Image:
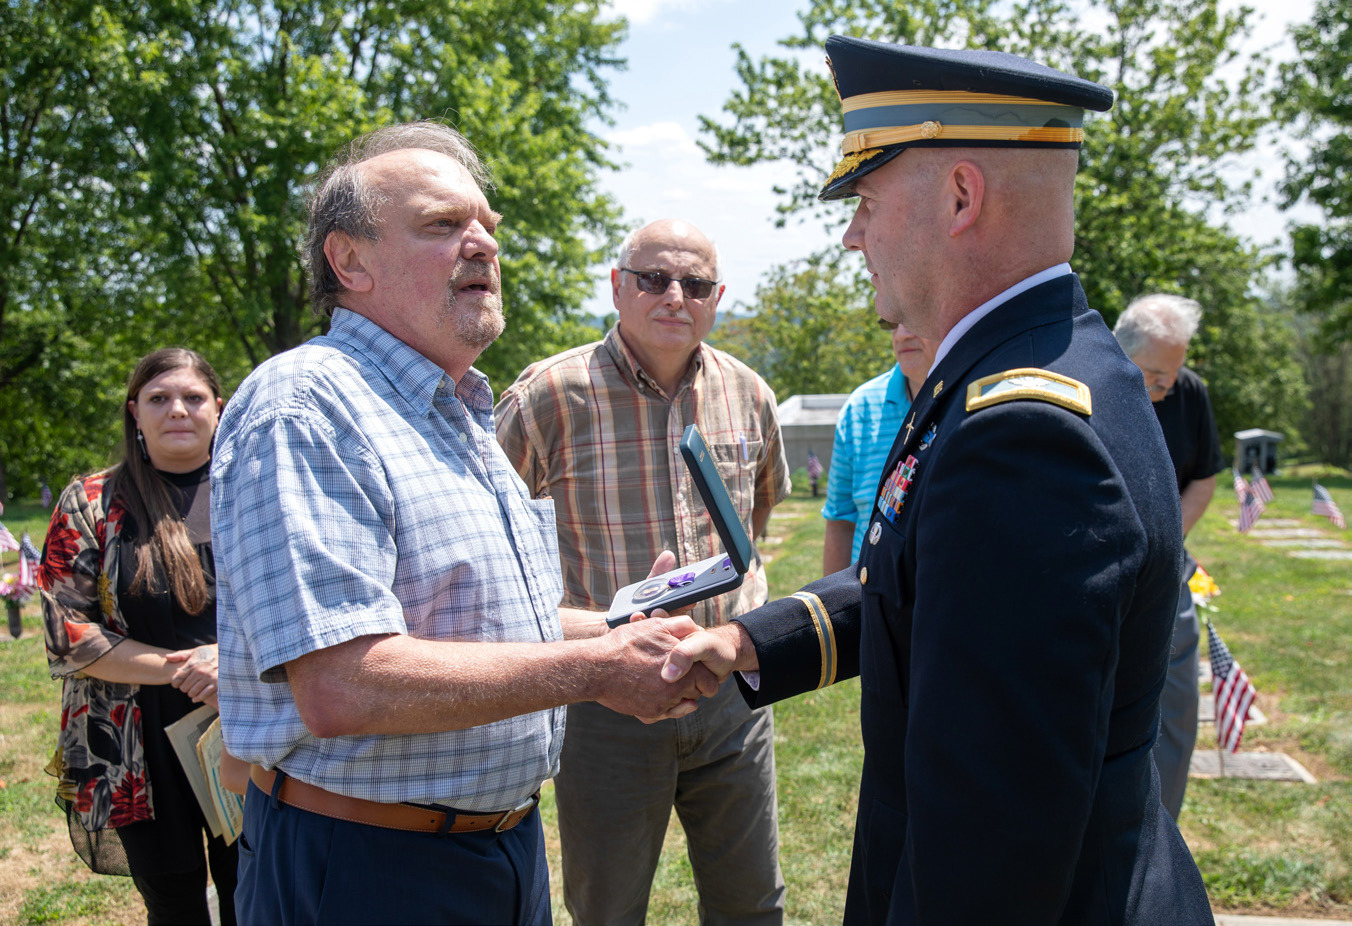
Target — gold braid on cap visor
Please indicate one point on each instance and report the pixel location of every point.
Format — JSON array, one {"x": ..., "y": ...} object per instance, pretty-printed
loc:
[{"x": 875, "y": 120}]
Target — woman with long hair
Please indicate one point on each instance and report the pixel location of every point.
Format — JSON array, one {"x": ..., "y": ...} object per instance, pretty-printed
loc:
[{"x": 129, "y": 612}]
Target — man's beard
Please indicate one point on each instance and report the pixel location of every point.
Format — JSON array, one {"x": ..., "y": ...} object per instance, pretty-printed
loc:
[{"x": 480, "y": 326}]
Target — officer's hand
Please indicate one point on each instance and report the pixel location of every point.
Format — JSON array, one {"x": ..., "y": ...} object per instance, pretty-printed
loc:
[{"x": 721, "y": 651}]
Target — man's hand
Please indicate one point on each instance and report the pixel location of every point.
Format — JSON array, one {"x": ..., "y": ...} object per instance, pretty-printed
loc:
[
  {"x": 634, "y": 657},
  {"x": 196, "y": 674},
  {"x": 720, "y": 651}
]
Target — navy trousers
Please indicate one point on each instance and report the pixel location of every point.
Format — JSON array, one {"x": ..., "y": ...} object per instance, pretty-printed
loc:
[{"x": 296, "y": 867}]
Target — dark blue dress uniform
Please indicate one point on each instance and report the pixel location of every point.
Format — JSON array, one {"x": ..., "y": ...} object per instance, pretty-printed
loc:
[
  {"x": 1010, "y": 624},
  {"x": 1011, "y": 611}
]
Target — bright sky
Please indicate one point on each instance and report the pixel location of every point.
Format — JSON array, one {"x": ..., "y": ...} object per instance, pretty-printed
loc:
[{"x": 681, "y": 66}]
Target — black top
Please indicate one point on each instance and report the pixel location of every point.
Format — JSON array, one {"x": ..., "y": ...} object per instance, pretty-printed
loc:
[
  {"x": 1190, "y": 429},
  {"x": 172, "y": 842}
]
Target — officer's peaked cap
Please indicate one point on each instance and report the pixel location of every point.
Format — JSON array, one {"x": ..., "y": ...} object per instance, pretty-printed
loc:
[{"x": 896, "y": 97}]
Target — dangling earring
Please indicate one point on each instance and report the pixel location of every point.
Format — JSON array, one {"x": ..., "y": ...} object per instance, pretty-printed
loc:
[{"x": 141, "y": 440}]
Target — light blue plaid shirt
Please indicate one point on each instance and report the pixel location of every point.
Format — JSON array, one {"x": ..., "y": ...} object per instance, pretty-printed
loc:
[
  {"x": 868, "y": 424},
  {"x": 357, "y": 490}
]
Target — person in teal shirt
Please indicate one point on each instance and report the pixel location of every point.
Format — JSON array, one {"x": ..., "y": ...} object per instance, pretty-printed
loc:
[{"x": 868, "y": 423}]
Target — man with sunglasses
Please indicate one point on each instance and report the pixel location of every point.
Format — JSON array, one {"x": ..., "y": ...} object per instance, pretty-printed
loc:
[{"x": 596, "y": 428}]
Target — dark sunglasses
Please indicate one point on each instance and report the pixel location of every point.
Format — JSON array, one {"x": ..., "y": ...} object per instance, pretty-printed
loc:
[{"x": 655, "y": 284}]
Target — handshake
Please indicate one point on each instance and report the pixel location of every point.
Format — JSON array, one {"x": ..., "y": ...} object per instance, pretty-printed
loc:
[{"x": 658, "y": 668}]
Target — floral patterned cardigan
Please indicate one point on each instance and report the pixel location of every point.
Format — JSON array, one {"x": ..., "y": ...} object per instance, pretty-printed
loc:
[{"x": 99, "y": 758}]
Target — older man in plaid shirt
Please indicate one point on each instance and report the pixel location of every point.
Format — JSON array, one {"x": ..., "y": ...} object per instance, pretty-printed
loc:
[{"x": 597, "y": 429}]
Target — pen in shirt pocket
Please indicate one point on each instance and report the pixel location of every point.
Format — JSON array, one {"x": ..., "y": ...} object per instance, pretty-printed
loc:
[{"x": 741, "y": 436}]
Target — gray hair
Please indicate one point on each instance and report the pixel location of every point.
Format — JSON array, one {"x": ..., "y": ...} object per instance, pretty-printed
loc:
[
  {"x": 1157, "y": 317},
  {"x": 629, "y": 245},
  {"x": 346, "y": 201}
]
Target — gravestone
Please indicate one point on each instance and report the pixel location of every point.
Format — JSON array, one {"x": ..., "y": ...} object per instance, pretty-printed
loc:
[
  {"x": 1257, "y": 447},
  {"x": 1267, "y": 766}
]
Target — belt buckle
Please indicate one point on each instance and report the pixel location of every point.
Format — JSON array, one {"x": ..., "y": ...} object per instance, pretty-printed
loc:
[{"x": 527, "y": 805}]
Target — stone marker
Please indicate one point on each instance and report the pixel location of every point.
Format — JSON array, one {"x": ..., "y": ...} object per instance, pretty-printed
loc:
[
  {"x": 1305, "y": 544},
  {"x": 1286, "y": 533},
  {"x": 1206, "y": 712},
  {"x": 1266, "y": 766}
]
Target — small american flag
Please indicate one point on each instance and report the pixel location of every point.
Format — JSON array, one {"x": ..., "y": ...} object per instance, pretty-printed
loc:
[
  {"x": 1232, "y": 691},
  {"x": 46, "y": 495},
  {"x": 1250, "y": 505},
  {"x": 7, "y": 541},
  {"x": 28, "y": 570},
  {"x": 28, "y": 549},
  {"x": 814, "y": 466},
  {"x": 1260, "y": 485},
  {"x": 1324, "y": 504}
]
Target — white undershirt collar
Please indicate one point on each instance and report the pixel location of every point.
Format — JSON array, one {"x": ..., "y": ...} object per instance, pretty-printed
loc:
[{"x": 971, "y": 318}]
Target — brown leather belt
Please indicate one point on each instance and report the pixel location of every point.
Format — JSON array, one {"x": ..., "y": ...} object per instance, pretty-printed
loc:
[{"x": 408, "y": 817}]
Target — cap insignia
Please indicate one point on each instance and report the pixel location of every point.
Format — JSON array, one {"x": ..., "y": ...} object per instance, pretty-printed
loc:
[{"x": 850, "y": 161}]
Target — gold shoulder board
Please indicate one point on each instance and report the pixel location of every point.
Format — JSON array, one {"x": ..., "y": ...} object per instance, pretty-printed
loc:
[{"x": 1029, "y": 383}]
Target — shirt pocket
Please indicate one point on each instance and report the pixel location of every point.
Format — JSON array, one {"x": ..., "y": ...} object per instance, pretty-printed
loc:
[
  {"x": 888, "y": 603},
  {"x": 737, "y": 468},
  {"x": 546, "y": 572},
  {"x": 537, "y": 542},
  {"x": 885, "y": 561}
]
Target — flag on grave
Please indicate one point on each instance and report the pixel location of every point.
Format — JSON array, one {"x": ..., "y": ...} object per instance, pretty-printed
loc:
[
  {"x": 1324, "y": 504},
  {"x": 1258, "y": 482},
  {"x": 1232, "y": 691},
  {"x": 1250, "y": 505}
]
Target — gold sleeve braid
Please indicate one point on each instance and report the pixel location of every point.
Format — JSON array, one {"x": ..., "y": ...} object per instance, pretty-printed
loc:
[{"x": 826, "y": 636}]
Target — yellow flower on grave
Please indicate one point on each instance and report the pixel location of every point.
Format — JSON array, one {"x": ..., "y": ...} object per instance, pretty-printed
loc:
[{"x": 1202, "y": 584}]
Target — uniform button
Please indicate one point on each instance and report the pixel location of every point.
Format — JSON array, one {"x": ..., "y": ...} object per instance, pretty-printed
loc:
[
  {"x": 863, "y": 575},
  {"x": 462, "y": 436}
]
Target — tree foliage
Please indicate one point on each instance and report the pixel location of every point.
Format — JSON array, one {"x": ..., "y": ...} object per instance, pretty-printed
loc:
[
  {"x": 230, "y": 107},
  {"x": 1152, "y": 169},
  {"x": 813, "y": 330},
  {"x": 67, "y": 276},
  {"x": 158, "y": 155},
  {"x": 1317, "y": 99}
]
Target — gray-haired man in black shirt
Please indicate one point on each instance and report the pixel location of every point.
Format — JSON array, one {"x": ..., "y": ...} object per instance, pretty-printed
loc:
[{"x": 1154, "y": 331}]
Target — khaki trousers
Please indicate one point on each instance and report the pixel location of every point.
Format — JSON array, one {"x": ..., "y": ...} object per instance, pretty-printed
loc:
[{"x": 620, "y": 780}]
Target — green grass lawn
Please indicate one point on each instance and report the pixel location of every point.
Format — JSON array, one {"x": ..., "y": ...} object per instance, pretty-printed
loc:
[
  {"x": 1263, "y": 847},
  {"x": 1277, "y": 845}
]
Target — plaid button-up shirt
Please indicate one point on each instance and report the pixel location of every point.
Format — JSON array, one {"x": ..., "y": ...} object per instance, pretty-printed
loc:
[
  {"x": 590, "y": 429},
  {"x": 356, "y": 490}
]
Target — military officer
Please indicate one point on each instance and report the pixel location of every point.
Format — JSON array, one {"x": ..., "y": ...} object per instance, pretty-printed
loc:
[{"x": 1011, "y": 609}]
